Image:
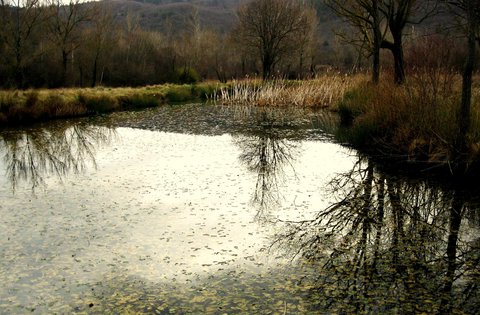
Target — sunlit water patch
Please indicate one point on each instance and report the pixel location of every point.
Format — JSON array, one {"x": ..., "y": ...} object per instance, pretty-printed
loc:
[
  {"x": 206, "y": 209},
  {"x": 157, "y": 212}
]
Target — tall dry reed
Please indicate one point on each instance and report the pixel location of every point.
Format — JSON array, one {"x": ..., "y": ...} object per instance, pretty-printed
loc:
[{"x": 323, "y": 91}]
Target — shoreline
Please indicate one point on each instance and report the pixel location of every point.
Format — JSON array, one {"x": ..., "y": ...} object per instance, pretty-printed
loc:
[
  {"x": 395, "y": 124},
  {"x": 26, "y": 107}
]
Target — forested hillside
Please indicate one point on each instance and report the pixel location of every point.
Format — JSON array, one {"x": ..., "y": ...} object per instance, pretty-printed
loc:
[
  {"x": 131, "y": 42},
  {"x": 157, "y": 15}
]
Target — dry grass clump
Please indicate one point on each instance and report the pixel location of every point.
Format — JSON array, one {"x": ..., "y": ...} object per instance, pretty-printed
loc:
[
  {"x": 30, "y": 106},
  {"x": 323, "y": 91}
]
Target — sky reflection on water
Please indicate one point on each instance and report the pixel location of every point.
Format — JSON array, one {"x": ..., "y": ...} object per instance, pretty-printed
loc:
[
  {"x": 266, "y": 218},
  {"x": 162, "y": 207}
]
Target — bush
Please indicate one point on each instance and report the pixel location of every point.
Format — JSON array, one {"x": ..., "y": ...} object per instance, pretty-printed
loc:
[
  {"x": 180, "y": 93},
  {"x": 355, "y": 103},
  {"x": 98, "y": 103},
  {"x": 139, "y": 101},
  {"x": 187, "y": 75}
]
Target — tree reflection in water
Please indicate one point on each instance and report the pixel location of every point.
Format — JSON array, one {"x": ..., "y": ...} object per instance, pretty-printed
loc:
[
  {"x": 390, "y": 245},
  {"x": 266, "y": 152},
  {"x": 31, "y": 154}
]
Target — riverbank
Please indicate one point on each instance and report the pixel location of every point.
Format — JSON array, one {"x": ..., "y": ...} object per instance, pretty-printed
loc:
[
  {"x": 415, "y": 123},
  {"x": 29, "y": 106}
]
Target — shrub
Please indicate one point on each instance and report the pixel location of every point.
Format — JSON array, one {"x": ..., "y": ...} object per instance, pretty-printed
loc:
[
  {"x": 187, "y": 75},
  {"x": 180, "y": 93},
  {"x": 139, "y": 101},
  {"x": 31, "y": 99},
  {"x": 98, "y": 103}
]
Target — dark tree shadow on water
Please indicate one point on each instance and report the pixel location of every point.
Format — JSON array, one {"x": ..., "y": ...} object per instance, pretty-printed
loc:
[
  {"x": 390, "y": 245},
  {"x": 32, "y": 154},
  {"x": 268, "y": 152}
]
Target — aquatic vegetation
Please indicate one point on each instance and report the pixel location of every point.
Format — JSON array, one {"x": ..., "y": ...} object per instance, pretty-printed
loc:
[{"x": 320, "y": 92}]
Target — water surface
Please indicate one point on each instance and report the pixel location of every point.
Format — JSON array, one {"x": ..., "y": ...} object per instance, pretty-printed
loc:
[{"x": 204, "y": 209}]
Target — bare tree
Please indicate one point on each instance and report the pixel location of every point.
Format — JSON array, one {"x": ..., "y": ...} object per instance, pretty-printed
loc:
[
  {"x": 367, "y": 17},
  {"x": 468, "y": 12},
  {"x": 271, "y": 29},
  {"x": 364, "y": 17},
  {"x": 398, "y": 14},
  {"x": 64, "y": 26},
  {"x": 19, "y": 20},
  {"x": 103, "y": 22}
]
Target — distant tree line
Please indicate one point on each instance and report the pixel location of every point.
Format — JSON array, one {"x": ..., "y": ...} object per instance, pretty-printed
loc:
[{"x": 57, "y": 43}]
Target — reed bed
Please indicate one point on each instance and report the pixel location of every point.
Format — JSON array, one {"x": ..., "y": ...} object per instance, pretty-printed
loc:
[{"x": 324, "y": 91}]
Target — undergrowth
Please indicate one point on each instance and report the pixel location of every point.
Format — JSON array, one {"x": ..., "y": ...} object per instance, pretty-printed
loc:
[{"x": 416, "y": 121}]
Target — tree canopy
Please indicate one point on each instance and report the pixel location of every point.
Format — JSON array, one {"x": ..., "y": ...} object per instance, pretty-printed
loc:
[{"x": 273, "y": 29}]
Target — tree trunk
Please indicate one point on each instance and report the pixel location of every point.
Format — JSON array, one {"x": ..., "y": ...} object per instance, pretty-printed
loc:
[
  {"x": 102, "y": 75},
  {"x": 19, "y": 72},
  {"x": 80, "y": 72},
  {"x": 267, "y": 67},
  {"x": 376, "y": 44},
  {"x": 398, "y": 59},
  {"x": 64, "y": 67},
  {"x": 455, "y": 221},
  {"x": 464, "y": 113},
  {"x": 94, "y": 71}
]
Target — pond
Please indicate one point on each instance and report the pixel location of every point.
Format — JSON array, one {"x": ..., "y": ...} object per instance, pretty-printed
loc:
[{"x": 209, "y": 209}]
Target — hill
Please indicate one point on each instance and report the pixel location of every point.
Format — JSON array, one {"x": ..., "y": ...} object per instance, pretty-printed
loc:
[
  {"x": 217, "y": 15},
  {"x": 161, "y": 15}
]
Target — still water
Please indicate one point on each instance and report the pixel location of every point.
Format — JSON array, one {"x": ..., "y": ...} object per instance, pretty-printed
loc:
[{"x": 205, "y": 209}]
